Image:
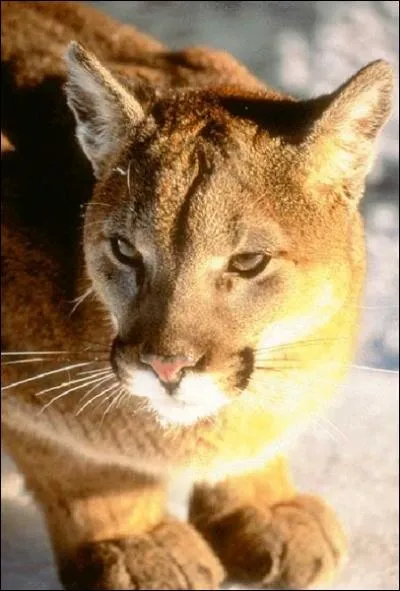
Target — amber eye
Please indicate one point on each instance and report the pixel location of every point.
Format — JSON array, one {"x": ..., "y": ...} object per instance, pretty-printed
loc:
[
  {"x": 249, "y": 264},
  {"x": 124, "y": 252}
]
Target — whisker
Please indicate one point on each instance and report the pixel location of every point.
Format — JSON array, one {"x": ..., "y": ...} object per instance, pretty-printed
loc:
[
  {"x": 77, "y": 356},
  {"x": 282, "y": 367},
  {"x": 378, "y": 307},
  {"x": 4, "y": 353},
  {"x": 377, "y": 369},
  {"x": 78, "y": 301},
  {"x": 304, "y": 343},
  {"x": 106, "y": 398},
  {"x": 273, "y": 369},
  {"x": 324, "y": 429},
  {"x": 94, "y": 398},
  {"x": 80, "y": 380},
  {"x": 299, "y": 365},
  {"x": 335, "y": 427},
  {"x": 97, "y": 344},
  {"x": 99, "y": 203},
  {"x": 34, "y": 360},
  {"x": 93, "y": 388},
  {"x": 93, "y": 371},
  {"x": 63, "y": 394},
  {"x": 47, "y": 373},
  {"x": 114, "y": 396},
  {"x": 128, "y": 177},
  {"x": 282, "y": 359},
  {"x": 123, "y": 395}
]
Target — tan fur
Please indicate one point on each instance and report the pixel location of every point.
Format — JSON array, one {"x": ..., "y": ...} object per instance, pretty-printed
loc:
[{"x": 196, "y": 161}]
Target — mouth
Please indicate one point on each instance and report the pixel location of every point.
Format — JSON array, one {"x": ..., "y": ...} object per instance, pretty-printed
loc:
[{"x": 197, "y": 397}]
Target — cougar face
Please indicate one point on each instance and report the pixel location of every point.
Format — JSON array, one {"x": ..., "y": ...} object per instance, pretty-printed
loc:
[{"x": 218, "y": 233}]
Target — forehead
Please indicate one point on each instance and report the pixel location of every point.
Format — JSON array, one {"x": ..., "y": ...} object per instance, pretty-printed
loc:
[{"x": 204, "y": 182}]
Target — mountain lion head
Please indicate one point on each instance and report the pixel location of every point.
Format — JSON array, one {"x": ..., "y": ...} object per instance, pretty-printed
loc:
[{"x": 223, "y": 230}]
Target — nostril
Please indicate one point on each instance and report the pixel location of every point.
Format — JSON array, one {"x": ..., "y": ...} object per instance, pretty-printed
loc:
[{"x": 169, "y": 369}]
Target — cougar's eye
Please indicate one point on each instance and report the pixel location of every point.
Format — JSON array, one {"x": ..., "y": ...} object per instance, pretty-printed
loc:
[
  {"x": 249, "y": 264},
  {"x": 124, "y": 252}
]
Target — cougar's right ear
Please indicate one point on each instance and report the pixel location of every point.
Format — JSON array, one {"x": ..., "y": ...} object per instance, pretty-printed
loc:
[
  {"x": 342, "y": 142},
  {"x": 104, "y": 110}
]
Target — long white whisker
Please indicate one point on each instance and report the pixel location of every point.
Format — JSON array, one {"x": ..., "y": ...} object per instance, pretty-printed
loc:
[
  {"x": 93, "y": 371},
  {"x": 360, "y": 367},
  {"x": 35, "y": 359},
  {"x": 106, "y": 398},
  {"x": 119, "y": 396},
  {"x": 5, "y": 353},
  {"x": 53, "y": 400},
  {"x": 47, "y": 373},
  {"x": 379, "y": 307},
  {"x": 69, "y": 383},
  {"x": 78, "y": 301},
  {"x": 377, "y": 369},
  {"x": 324, "y": 428},
  {"x": 296, "y": 345},
  {"x": 334, "y": 427},
  {"x": 128, "y": 177},
  {"x": 122, "y": 395},
  {"x": 106, "y": 379},
  {"x": 93, "y": 399},
  {"x": 99, "y": 203},
  {"x": 114, "y": 396}
]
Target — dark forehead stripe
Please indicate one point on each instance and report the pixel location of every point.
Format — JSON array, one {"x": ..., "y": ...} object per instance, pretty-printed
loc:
[
  {"x": 181, "y": 160},
  {"x": 202, "y": 171},
  {"x": 193, "y": 140}
]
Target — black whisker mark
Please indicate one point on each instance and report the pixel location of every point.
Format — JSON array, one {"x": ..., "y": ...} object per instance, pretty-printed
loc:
[{"x": 246, "y": 357}]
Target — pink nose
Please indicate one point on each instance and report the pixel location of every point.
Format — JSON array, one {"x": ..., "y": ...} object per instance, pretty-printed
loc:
[{"x": 168, "y": 369}]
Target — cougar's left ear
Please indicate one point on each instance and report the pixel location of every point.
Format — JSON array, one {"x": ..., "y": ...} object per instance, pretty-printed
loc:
[
  {"x": 104, "y": 110},
  {"x": 341, "y": 142}
]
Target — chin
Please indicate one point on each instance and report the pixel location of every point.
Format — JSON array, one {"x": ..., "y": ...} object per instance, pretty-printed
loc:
[
  {"x": 172, "y": 413},
  {"x": 198, "y": 397}
]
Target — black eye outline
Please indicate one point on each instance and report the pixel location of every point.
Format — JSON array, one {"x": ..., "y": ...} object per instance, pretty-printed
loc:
[
  {"x": 133, "y": 259},
  {"x": 249, "y": 264}
]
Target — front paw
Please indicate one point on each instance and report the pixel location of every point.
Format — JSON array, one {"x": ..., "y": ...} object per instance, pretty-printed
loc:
[
  {"x": 292, "y": 545},
  {"x": 171, "y": 556}
]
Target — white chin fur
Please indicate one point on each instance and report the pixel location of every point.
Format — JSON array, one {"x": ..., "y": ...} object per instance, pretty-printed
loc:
[{"x": 197, "y": 397}]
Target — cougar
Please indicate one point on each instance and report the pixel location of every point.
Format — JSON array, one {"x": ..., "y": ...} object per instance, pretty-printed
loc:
[{"x": 183, "y": 261}]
